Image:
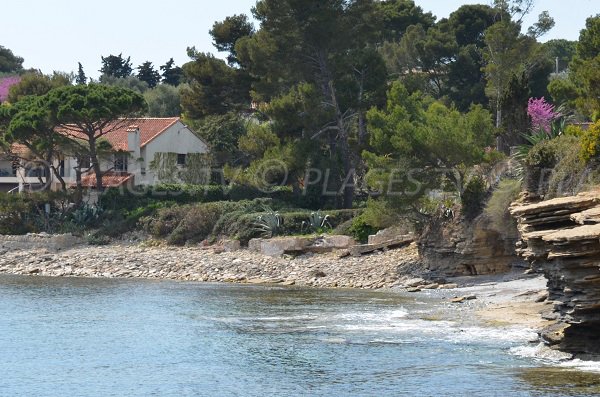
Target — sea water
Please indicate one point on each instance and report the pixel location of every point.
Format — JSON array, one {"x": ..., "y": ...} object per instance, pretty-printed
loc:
[{"x": 98, "y": 337}]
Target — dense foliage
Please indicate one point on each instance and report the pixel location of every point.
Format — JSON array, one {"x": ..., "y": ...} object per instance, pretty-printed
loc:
[{"x": 339, "y": 104}]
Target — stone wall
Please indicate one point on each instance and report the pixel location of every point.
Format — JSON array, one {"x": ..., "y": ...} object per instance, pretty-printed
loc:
[{"x": 51, "y": 242}]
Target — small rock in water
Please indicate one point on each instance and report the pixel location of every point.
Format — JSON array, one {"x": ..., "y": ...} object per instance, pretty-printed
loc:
[
  {"x": 463, "y": 298},
  {"x": 413, "y": 289}
]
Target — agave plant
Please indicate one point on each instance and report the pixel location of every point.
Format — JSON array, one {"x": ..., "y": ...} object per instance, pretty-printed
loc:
[
  {"x": 268, "y": 223},
  {"x": 317, "y": 222},
  {"x": 85, "y": 214},
  {"x": 557, "y": 128}
]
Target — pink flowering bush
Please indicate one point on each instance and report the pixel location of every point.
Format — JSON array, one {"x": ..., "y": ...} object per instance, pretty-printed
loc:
[
  {"x": 542, "y": 114},
  {"x": 5, "y": 84}
]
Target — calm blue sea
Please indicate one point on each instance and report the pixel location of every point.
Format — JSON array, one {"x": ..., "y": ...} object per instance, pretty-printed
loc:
[{"x": 81, "y": 337}]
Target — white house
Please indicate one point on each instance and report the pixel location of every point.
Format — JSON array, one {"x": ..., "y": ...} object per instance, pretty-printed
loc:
[{"x": 146, "y": 151}]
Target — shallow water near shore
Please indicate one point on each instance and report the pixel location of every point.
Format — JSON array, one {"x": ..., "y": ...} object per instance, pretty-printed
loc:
[{"x": 139, "y": 338}]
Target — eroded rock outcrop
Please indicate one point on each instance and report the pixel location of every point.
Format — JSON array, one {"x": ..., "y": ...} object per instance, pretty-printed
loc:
[
  {"x": 561, "y": 238},
  {"x": 456, "y": 247}
]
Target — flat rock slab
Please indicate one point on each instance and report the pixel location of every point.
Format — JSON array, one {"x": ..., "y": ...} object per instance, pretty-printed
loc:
[
  {"x": 588, "y": 232},
  {"x": 368, "y": 248},
  {"x": 584, "y": 200}
]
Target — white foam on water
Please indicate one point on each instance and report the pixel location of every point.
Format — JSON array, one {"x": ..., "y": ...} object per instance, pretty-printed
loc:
[
  {"x": 540, "y": 352},
  {"x": 581, "y": 365},
  {"x": 379, "y": 316},
  {"x": 475, "y": 334},
  {"x": 556, "y": 358},
  {"x": 280, "y": 318}
]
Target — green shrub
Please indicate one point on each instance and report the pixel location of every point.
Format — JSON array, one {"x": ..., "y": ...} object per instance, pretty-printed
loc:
[
  {"x": 473, "y": 197},
  {"x": 568, "y": 175},
  {"x": 26, "y": 212},
  {"x": 344, "y": 228},
  {"x": 361, "y": 229},
  {"x": 590, "y": 142},
  {"x": 555, "y": 168},
  {"x": 380, "y": 214},
  {"x": 497, "y": 207},
  {"x": 197, "y": 223},
  {"x": 119, "y": 198},
  {"x": 16, "y": 214},
  {"x": 295, "y": 222}
]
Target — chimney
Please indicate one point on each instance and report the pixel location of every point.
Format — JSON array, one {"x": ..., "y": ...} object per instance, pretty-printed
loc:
[{"x": 133, "y": 141}]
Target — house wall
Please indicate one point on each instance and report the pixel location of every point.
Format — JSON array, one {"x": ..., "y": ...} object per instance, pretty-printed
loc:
[
  {"x": 6, "y": 168},
  {"x": 177, "y": 139}
]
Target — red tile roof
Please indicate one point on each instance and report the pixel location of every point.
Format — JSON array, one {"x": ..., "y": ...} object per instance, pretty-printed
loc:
[
  {"x": 109, "y": 179},
  {"x": 20, "y": 150},
  {"x": 149, "y": 129}
]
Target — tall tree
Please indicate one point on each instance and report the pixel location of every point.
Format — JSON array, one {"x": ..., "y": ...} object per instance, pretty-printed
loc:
[
  {"x": 315, "y": 42},
  {"x": 214, "y": 87},
  {"x": 9, "y": 62},
  {"x": 37, "y": 83},
  {"x": 171, "y": 75},
  {"x": 130, "y": 82},
  {"x": 227, "y": 32},
  {"x": 445, "y": 59},
  {"x": 561, "y": 52},
  {"x": 28, "y": 123},
  {"x": 81, "y": 79},
  {"x": 417, "y": 143},
  {"x": 164, "y": 100},
  {"x": 116, "y": 66},
  {"x": 148, "y": 74},
  {"x": 87, "y": 113},
  {"x": 507, "y": 52},
  {"x": 398, "y": 15},
  {"x": 586, "y": 69}
]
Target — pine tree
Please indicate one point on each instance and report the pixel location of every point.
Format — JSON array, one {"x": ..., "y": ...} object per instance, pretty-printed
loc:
[
  {"x": 148, "y": 74},
  {"x": 81, "y": 79},
  {"x": 171, "y": 75},
  {"x": 116, "y": 65}
]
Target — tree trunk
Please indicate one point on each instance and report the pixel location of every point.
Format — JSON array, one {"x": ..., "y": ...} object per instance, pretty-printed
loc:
[
  {"x": 96, "y": 164},
  {"x": 498, "y": 110},
  {"x": 362, "y": 122},
  {"x": 56, "y": 173},
  {"x": 362, "y": 127},
  {"x": 78, "y": 186},
  {"x": 48, "y": 172},
  {"x": 342, "y": 137}
]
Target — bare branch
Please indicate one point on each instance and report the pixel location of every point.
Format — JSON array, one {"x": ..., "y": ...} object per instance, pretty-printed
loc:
[{"x": 330, "y": 128}]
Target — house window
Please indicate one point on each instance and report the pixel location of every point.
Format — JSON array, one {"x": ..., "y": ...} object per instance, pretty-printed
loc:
[
  {"x": 120, "y": 164},
  {"x": 181, "y": 159},
  {"x": 61, "y": 168}
]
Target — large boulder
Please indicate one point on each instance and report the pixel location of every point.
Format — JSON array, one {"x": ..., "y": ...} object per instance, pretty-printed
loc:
[{"x": 279, "y": 246}]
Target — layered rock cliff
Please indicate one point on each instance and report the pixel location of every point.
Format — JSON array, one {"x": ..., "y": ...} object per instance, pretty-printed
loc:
[
  {"x": 456, "y": 247},
  {"x": 561, "y": 238}
]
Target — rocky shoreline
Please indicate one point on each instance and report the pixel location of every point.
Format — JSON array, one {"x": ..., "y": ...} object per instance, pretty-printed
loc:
[
  {"x": 512, "y": 299},
  {"x": 388, "y": 269}
]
